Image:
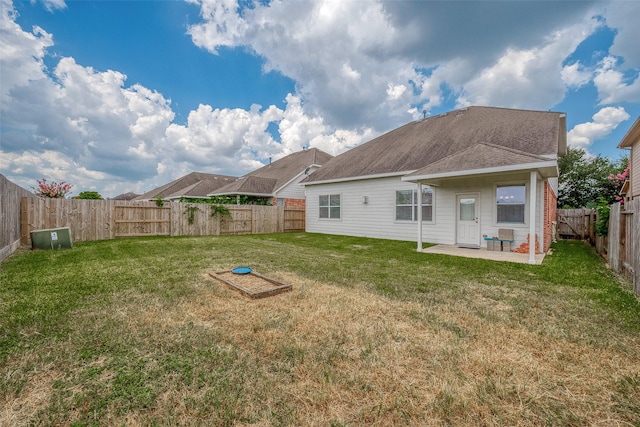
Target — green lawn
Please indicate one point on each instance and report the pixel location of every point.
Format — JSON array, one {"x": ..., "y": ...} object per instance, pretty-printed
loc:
[{"x": 135, "y": 332}]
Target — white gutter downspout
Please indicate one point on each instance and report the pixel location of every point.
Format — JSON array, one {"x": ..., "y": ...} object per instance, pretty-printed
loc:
[
  {"x": 532, "y": 217},
  {"x": 419, "y": 216}
]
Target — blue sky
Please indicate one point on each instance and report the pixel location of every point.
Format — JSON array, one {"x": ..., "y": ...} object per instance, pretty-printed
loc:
[{"x": 128, "y": 95}]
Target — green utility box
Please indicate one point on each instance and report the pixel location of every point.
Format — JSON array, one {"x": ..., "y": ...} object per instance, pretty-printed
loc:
[{"x": 52, "y": 238}]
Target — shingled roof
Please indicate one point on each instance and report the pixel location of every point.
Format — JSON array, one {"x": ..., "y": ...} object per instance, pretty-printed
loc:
[
  {"x": 125, "y": 196},
  {"x": 195, "y": 184},
  {"x": 480, "y": 157},
  {"x": 268, "y": 179},
  {"x": 421, "y": 143}
]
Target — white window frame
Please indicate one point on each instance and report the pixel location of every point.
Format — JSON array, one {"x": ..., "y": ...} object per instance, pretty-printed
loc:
[
  {"x": 525, "y": 205},
  {"x": 414, "y": 204},
  {"x": 329, "y": 206}
]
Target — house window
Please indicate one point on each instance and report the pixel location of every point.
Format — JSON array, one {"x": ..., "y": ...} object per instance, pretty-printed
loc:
[
  {"x": 329, "y": 206},
  {"x": 510, "y": 201},
  {"x": 407, "y": 205}
]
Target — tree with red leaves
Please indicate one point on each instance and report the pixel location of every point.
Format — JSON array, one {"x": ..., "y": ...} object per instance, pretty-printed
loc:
[{"x": 52, "y": 190}]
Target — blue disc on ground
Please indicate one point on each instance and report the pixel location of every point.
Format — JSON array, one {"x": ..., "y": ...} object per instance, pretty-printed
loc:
[{"x": 241, "y": 270}]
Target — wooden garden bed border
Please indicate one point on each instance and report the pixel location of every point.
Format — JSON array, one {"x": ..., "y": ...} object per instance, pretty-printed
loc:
[{"x": 278, "y": 288}]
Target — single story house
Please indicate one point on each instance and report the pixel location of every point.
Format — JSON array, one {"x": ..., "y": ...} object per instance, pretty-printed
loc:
[
  {"x": 195, "y": 185},
  {"x": 631, "y": 141},
  {"x": 279, "y": 180},
  {"x": 448, "y": 179}
]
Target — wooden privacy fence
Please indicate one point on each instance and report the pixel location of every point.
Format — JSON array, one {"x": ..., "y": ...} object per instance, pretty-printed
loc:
[
  {"x": 111, "y": 219},
  {"x": 10, "y": 199},
  {"x": 576, "y": 223},
  {"x": 624, "y": 241}
]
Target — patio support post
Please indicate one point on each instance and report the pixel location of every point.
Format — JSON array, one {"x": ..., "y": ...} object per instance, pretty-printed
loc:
[
  {"x": 532, "y": 216},
  {"x": 419, "y": 216}
]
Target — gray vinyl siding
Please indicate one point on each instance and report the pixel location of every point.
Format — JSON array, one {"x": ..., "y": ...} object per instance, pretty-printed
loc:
[
  {"x": 377, "y": 217},
  {"x": 294, "y": 190}
]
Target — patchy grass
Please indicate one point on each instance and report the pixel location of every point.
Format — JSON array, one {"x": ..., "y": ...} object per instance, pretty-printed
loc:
[{"x": 135, "y": 332}]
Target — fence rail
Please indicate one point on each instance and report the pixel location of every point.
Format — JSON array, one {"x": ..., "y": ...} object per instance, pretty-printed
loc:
[
  {"x": 112, "y": 219},
  {"x": 576, "y": 223}
]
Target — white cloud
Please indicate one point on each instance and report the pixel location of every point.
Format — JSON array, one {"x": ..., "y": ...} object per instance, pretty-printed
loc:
[
  {"x": 395, "y": 91},
  {"x": 575, "y": 75},
  {"x": 612, "y": 85},
  {"x": 623, "y": 16},
  {"x": 52, "y": 5},
  {"x": 87, "y": 127},
  {"x": 351, "y": 59},
  {"x": 338, "y": 52},
  {"x": 225, "y": 25},
  {"x": 359, "y": 67},
  {"x": 21, "y": 52},
  {"x": 604, "y": 122},
  {"x": 297, "y": 130},
  {"x": 532, "y": 78}
]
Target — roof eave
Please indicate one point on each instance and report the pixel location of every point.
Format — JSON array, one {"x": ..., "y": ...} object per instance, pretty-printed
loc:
[
  {"x": 358, "y": 178},
  {"x": 185, "y": 196},
  {"x": 547, "y": 169},
  {"x": 632, "y": 136},
  {"x": 241, "y": 193}
]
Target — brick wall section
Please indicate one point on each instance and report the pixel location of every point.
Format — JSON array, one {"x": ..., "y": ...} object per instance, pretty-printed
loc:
[
  {"x": 291, "y": 203},
  {"x": 295, "y": 203},
  {"x": 550, "y": 215}
]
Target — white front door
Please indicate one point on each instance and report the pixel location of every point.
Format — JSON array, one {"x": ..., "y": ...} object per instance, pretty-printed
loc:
[{"x": 467, "y": 220}]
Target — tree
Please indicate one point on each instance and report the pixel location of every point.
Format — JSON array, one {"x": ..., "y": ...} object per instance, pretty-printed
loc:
[
  {"x": 89, "y": 195},
  {"x": 583, "y": 180},
  {"x": 52, "y": 190}
]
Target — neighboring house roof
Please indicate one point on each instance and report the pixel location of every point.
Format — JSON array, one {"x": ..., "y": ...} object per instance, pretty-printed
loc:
[
  {"x": 270, "y": 178},
  {"x": 416, "y": 145},
  {"x": 125, "y": 196},
  {"x": 195, "y": 184},
  {"x": 632, "y": 136}
]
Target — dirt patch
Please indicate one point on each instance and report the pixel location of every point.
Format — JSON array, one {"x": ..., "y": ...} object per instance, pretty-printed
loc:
[{"x": 253, "y": 285}]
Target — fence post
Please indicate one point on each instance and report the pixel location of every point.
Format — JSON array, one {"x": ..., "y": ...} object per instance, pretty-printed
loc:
[
  {"x": 24, "y": 220},
  {"x": 634, "y": 237},
  {"x": 613, "y": 249}
]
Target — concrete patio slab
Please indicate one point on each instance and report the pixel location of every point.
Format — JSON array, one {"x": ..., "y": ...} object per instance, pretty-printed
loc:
[{"x": 482, "y": 253}]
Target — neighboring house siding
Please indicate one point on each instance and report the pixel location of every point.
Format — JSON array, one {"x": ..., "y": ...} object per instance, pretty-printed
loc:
[
  {"x": 634, "y": 160},
  {"x": 377, "y": 217},
  {"x": 294, "y": 190}
]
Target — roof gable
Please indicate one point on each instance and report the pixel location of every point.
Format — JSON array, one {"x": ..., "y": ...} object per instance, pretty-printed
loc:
[
  {"x": 195, "y": 184},
  {"x": 479, "y": 156},
  {"x": 269, "y": 178},
  {"x": 632, "y": 136},
  {"x": 418, "y": 144}
]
